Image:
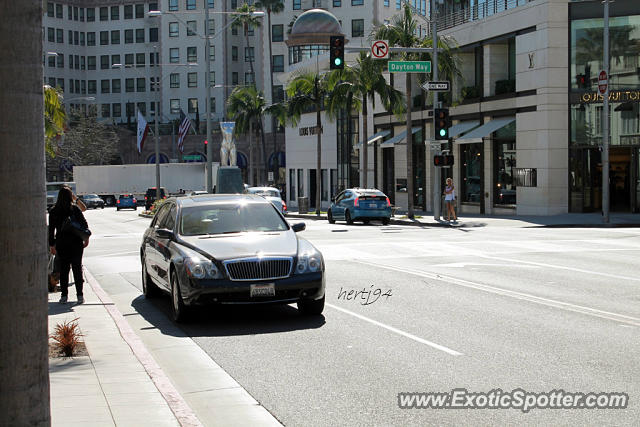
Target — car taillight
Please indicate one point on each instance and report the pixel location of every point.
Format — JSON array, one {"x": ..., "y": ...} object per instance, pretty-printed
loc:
[
  {"x": 355, "y": 201},
  {"x": 145, "y": 197},
  {"x": 118, "y": 202},
  {"x": 134, "y": 201},
  {"x": 388, "y": 202},
  {"x": 164, "y": 197},
  {"x": 284, "y": 206}
]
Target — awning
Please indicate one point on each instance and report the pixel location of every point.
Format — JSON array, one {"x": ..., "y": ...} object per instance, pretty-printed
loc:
[
  {"x": 398, "y": 138},
  {"x": 462, "y": 127},
  {"x": 485, "y": 130},
  {"x": 375, "y": 137}
]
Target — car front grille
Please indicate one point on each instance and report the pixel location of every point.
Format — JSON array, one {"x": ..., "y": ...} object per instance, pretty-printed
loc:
[{"x": 265, "y": 268}]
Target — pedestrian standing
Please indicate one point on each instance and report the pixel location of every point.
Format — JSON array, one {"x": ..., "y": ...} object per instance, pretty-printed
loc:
[
  {"x": 450, "y": 200},
  {"x": 67, "y": 246}
]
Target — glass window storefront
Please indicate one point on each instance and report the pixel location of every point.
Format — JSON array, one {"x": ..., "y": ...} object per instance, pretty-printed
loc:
[
  {"x": 419, "y": 182},
  {"x": 300, "y": 53},
  {"x": 504, "y": 149},
  {"x": 471, "y": 173}
]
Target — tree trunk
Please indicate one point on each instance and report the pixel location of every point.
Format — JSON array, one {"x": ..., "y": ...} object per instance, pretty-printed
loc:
[
  {"x": 265, "y": 162},
  {"x": 24, "y": 363},
  {"x": 409, "y": 150},
  {"x": 365, "y": 146},
  {"x": 318, "y": 161},
  {"x": 273, "y": 121}
]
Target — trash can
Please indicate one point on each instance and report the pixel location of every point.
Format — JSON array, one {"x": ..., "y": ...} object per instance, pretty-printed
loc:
[{"x": 303, "y": 205}]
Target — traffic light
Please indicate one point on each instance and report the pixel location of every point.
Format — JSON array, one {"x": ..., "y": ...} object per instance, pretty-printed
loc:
[
  {"x": 442, "y": 123},
  {"x": 443, "y": 160},
  {"x": 336, "y": 52},
  {"x": 581, "y": 81}
]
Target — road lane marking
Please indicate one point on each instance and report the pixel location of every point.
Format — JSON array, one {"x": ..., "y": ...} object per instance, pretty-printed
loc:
[
  {"x": 630, "y": 320},
  {"x": 397, "y": 331}
]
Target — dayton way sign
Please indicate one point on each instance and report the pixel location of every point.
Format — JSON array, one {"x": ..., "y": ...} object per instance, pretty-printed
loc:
[{"x": 409, "y": 66}]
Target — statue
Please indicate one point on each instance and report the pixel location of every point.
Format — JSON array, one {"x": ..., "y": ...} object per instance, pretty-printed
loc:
[{"x": 228, "y": 147}]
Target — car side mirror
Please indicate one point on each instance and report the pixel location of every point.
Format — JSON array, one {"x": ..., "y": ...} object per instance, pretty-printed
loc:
[
  {"x": 163, "y": 233},
  {"x": 301, "y": 226},
  {"x": 333, "y": 199}
]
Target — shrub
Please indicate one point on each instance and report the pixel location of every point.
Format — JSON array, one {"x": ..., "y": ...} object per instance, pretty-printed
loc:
[
  {"x": 67, "y": 337},
  {"x": 156, "y": 205}
]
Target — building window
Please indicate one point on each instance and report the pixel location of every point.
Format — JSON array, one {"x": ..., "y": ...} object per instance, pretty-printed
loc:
[
  {"x": 174, "y": 29},
  {"x": 153, "y": 6},
  {"x": 357, "y": 2},
  {"x": 51, "y": 35},
  {"x": 115, "y": 13},
  {"x": 250, "y": 30},
  {"x": 128, "y": 11},
  {"x": 50, "y": 10},
  {"x": 357, "y": 28},
  {"x": 212, "y": 78},
  {"x": 154, "y": 84},
  {"x": 277, "y": 33},
  {"x": 192, "y": 79},
  {"x": 386, "y": 3},
  {"x": 234, "y": 4},
  {"x": 154, "y": 58},
  {"x": 153, "y": 34},
  {"x": 173, "y": 5},
  {"x": 337, "y": 3},
  {"x": 140, "y": 35},
  {"x": 300, "y": 182},
  {"x": 81, "y": 14},
  {"x": 106, "y": 110},
  {"x": 234, "y": 53},
  {"x": 213, "y": 105},
  {"x": 82, "y": 39},
  {"x": 104, "y": 62},
  {"x": 83, "y": 86},
  {"x": 174, "y": 80},
  {"x": 129, "y": 85},
  {"x": 70, "y": 13},
  {"x": 234, "y": 78},
  {"x": 174, "y": 55},
  {"x": 292, "y": 184},
  {"x": 192, "y": 28},
  {"x": 249, "y": 78},
  {"x": 278, "y": 63},
  {"x": 128, "y": 36},
  {"x": 234, "y": 31},
  {"x": 297, "y": 4},
  {"x": 105, "y": 86},
  {"x": 142, "y": 107},
  {"x": 212, "y": 53},
  {"x": 91, "y": 14},
  {"x": 174, "y": 105},
  {"x": 75, "y": 13},
  {"x": 139, "y": 11},
  {"x": 91, "y": 87},
  {"x": 141, "y": 85},
  {"x": 70, "y": 33},
  {"x": 115, "y": 85},
  {"x": 192, "y": 54},
  {"x": 193, "y": 105},
  {"x": 115, "y": 37},
  {"x": 140, "y": 57},
  {"x": 212, "y": 27},
  {"x": 505, "y": 163},
  {"x": 59, "y": 35},
  {"x": 104, "y": 13},
  {"x": 249, "y": 54},
  {"x": 128, "y": 60},
  {"x": 77, "y": 61},
  {"x": 115, "y": 59},
  {"x": 116, "y": 109},
  {"x": 398, "y": 4},
  {"x": 324, "y": 185},
  {"x": 191, "y": 4},
  {"x": 278, "y": 93},
  {"x": 91, "y": 62},
  {"x": 60, "y": 60},
  {"x": 91, "y": 39},
  {"x": 76, "y": 37}
]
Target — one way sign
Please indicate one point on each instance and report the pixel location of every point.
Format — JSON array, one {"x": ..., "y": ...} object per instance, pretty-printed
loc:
[{"x": 442, "y": 86}]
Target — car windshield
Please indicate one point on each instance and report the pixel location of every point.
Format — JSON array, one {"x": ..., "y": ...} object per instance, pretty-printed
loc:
[
  {"x": 372, "y": 193},
  {"x": 264, "y": 192},
  {"x": 230, "y": 218},
  {"x": 126, "y": 197}
]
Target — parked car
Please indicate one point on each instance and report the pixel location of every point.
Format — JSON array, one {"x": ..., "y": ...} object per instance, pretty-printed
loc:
[
  {"x": 359, "y": 204},
  {"x": 126, "y": 201},
  {"x": 229, "y": 249},
  {"x": 150, "y": 196},
  {"x": 196, "y": 193},
  {"x": 271, "y": 194},
  {"x": 92, "y": 201}
]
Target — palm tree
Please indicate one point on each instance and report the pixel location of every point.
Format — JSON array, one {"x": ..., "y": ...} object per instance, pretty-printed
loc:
[
  {"x": 271, "y": 6},
  {"x": 362, "y": 82},
  {"x": 402, "y": 32},
  {"x": 245, "y": 20},
  {"x": 54, "y": 117},
  {"x": 24, "y": 362},
  {"x": 309, "y": 90},
  {"x": 247, "y": 105}
]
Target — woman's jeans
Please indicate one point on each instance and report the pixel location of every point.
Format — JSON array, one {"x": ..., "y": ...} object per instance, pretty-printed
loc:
[{"x": 74, "y": 262}]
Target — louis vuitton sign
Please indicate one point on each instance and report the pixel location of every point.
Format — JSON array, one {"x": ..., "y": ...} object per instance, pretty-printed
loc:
[
  {"x": 614, "y": 96},
  {"x": 313, "y": 130}
]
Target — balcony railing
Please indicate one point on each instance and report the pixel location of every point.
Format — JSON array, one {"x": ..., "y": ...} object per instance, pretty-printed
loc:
[{"x": 476, "y": 12}]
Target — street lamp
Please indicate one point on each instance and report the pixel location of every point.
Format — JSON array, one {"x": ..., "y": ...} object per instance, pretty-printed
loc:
[{"x": 207, "y": 49}]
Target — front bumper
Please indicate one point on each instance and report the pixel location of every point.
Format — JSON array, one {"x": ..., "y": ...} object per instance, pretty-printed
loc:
[{"x": 287, "y": 290}]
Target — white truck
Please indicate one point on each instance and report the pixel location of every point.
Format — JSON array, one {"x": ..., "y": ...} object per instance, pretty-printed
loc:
[{"x": 110, "y": 181}]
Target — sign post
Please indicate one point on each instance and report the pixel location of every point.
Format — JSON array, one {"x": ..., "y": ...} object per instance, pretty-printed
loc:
[{"x": 380, "y": 49}]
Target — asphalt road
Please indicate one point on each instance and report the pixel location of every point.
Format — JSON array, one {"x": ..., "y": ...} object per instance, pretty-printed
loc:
[{"x": 482, "y": 308}]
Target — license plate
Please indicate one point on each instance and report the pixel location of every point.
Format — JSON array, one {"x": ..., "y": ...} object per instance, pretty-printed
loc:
[
  {"x": 266, "y": 290},
  {"x": 373, "y": 205}
]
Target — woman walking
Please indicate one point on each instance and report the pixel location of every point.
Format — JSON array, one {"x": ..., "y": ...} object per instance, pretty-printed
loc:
[
  {"x": 450, "y": 200},
  {"x": 67, "y": 246}
]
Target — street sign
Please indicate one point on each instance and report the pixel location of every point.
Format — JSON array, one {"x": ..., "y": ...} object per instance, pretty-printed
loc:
[
  {"x": 442, "y": 86},
  {"x": 380, "y": 49},
  {"x": 192, "y": 157},
  {"x": 603, "y": 82},
  {"x": 409, "y": 66}
]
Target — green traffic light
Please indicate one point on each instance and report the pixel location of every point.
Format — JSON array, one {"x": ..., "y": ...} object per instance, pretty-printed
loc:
[
  {"x": 443, "y": 132},
  {"x": 337, "y": 61}
]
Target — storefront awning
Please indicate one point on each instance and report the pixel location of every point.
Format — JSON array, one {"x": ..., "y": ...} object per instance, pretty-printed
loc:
[
  {"x": 398, "y": 138},
  {"x": 462, "y": 127},
  {"x": 485, "y": 130},
  {"x": 376, "y": 137}
]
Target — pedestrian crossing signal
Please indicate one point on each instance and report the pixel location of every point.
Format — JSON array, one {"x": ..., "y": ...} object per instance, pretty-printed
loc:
[
  {"x": 336, "y": 52},
  {"x": 443, "y": 160}
]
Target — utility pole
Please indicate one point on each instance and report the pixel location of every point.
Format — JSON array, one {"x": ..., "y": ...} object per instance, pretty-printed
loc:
[
  {"x": 605, "y": 121},
  {"x": 207, "y": 79},
  {"x": 436, "y": 172},
  {"x": 157, "y": 133}
]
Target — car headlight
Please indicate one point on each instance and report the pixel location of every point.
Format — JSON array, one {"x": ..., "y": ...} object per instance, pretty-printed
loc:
[
  {"x": 198, "y": 267},
  {"x": 309, "y": 258}
]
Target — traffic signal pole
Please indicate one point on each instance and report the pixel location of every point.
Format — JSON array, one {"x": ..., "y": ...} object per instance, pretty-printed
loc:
[{"x": 436, "y": 172}]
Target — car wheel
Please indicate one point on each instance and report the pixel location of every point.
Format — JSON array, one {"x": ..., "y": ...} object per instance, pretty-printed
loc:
[
  {"x": 178, "y": 309},
  {"x": 149, "y": 289},
  {"x": 365, "y": 221},
  {"x": 311, "y": 307},
  {"x": 385, "y": 221},
  {"x": 347, "y": 217},
  {"x": 101, "y": 206},
  {"x": 118, "y": 208},
  {"x": 330, "y": 217}
]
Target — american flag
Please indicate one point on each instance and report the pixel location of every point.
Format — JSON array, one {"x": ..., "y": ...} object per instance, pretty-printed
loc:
[{"x": 185, "y": 125}]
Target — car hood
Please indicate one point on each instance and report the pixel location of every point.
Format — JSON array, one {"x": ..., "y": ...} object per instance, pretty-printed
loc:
[{"x": 243, "y": 245}]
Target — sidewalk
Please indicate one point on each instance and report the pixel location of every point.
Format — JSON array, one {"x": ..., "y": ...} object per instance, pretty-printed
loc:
[
  {"x": 425, "y": 219},
  {"x": 119, "y": 382}
]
